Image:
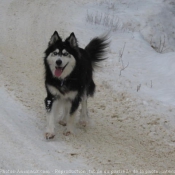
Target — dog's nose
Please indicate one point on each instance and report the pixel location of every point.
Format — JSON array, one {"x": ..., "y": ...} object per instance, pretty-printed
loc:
[{"x": 58, "y": 62}]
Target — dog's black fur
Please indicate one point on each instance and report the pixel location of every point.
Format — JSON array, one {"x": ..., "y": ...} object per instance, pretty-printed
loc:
[{"x": 81, "y": 77}]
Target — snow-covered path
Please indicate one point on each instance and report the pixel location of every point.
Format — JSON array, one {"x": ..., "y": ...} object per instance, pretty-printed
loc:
[
  {"x": 121, "y": 137},
  {"x": 130, "y": 129},
  {"x": 23, "y": 146}
]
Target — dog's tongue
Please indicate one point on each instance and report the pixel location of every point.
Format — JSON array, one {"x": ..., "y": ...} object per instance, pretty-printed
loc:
[{"x": 58, "y": 72}]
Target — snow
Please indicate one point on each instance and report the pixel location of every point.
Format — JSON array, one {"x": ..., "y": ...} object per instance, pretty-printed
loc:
[
  {"x": 132, "y": 114},
  {"x": 22, "y": 142}
]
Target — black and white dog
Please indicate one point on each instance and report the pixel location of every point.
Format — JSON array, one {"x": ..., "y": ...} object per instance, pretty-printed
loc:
[{"x": 69, "y": 79}]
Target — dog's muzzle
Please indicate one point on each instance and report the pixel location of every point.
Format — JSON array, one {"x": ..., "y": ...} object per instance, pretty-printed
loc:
[{"x": 59, "y": 70}]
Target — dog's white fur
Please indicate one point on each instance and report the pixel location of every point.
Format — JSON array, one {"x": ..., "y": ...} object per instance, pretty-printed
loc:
[{"x": 68, "y": 96}]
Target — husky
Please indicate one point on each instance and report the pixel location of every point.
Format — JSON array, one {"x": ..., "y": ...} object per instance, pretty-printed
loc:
[{"x": 69, "y": 79}]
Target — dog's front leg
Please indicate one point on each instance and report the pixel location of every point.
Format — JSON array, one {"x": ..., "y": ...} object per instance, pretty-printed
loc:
[
  {"x": 51, "y": 106},
  {"x": 70, "y": 128},
  {"x": 66, "y": 110},
  {"x": 71, "y": 108}
]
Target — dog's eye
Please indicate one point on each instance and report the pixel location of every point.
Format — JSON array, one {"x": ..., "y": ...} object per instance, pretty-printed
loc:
[
  {"x": 55, "y": 53},
  {"x": 65, "y": 54}
]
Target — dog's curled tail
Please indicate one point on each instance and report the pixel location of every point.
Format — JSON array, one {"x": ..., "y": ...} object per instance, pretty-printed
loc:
[{"x": 97, "y": 49}]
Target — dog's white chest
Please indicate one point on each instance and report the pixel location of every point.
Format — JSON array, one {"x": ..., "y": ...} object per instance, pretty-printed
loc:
[{"x": 69, "y": 95}]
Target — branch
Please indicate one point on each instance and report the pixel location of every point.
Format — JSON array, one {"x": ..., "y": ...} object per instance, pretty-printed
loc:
[
  {"x": 121, "y": 60},
  {"x": 123, "y": 68}
]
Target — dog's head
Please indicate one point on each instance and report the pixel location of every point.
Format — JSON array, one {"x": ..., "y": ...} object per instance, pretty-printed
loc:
[{"x": 61, "y": 56}]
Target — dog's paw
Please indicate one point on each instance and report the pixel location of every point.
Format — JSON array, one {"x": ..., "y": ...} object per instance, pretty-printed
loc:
[
  {"x": 49, "y": 136},
  {"x": 68, "y": 131},
  {"x": 83, "y": 123},
  {"x": 63, "y": 123}
]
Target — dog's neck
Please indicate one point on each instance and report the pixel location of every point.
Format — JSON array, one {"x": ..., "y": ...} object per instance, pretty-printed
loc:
[{"x": 62, "y": 81}]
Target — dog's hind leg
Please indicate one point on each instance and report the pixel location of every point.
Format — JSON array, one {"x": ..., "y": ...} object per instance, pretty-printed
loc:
[
  {"x": 84, "y": 113},
  {"x": 70, "y": 127},
  {"x": 63, "y": 121},
  {"x": 51, "y": 106}
]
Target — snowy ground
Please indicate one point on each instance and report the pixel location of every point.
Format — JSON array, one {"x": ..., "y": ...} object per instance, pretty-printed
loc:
[{"x": 133, "y": 112}]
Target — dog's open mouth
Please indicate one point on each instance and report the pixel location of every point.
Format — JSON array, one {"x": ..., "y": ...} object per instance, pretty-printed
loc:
[{"x": 59, "y": 70}]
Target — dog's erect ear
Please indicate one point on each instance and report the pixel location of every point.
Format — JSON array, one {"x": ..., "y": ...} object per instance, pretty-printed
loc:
[
  {"x": 72, "y": 40},
  {"x": 54, "y": 38}
]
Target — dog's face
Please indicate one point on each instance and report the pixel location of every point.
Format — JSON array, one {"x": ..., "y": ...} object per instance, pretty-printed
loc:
[{"x": 60, "y": 56}]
